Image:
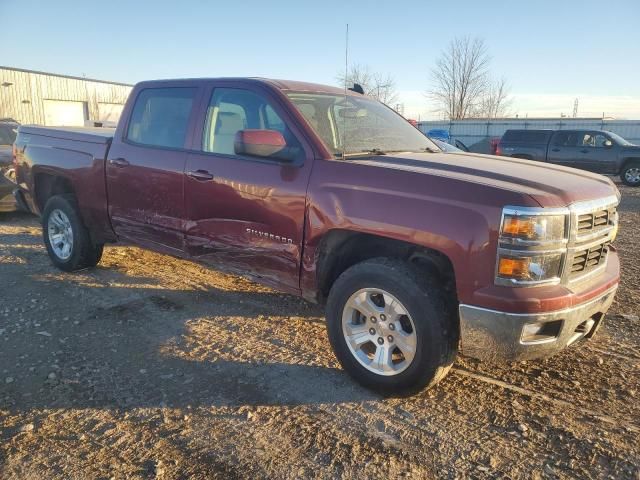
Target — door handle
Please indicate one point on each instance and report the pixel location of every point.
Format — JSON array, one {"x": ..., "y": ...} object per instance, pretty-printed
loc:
[
  {"x": 119, "y": 162},
  {"x": 584, "y": 151},
  {"x": 200, "y": 175},
  {"x": 555, "y": 149}
]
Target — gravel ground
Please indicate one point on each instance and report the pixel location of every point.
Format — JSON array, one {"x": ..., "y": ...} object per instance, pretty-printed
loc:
[{"x": 153, "y": 367}]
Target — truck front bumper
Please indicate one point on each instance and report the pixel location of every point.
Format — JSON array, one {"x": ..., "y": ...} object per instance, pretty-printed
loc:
[{"x": 493, "y": 335}]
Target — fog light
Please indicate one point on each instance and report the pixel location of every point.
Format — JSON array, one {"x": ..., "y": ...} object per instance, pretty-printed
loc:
[{"x": 540, "y": 332}]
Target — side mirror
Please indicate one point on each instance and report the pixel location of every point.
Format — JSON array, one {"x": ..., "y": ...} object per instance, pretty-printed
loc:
[
  {"x": 262, "y": 143},
  {"x": 608, "y": 143}
]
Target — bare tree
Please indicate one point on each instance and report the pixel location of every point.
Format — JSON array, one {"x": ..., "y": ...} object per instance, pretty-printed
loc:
[
  {"x": 461, "y": 77},
  {"x": 376, "y": 85},
  {"x": 495, "y": 101}
]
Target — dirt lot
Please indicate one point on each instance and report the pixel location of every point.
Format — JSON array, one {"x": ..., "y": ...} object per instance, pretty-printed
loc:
[{"x": 152, "y": 367}]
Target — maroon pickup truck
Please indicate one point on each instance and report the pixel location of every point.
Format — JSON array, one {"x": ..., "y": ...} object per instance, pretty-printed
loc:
[{"x": 328, "y": 194}]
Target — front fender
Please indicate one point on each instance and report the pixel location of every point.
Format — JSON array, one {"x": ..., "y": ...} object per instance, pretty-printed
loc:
[{"x": 456, "y": 218}]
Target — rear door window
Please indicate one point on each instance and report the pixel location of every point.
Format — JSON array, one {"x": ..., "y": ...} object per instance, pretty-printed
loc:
[
  {"x": 526, "y": 136},
  {"x": 160, "y": 117},
  {"x": 565, "y": 139}
]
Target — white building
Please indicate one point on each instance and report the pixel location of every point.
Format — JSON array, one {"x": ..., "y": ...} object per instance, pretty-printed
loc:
[{"x": 60, "y": 100}]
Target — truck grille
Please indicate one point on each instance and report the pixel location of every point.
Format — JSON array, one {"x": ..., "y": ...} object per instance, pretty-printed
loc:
[
  {"x": 588, "y": 259},
  {"x": 593, "y": 221}
]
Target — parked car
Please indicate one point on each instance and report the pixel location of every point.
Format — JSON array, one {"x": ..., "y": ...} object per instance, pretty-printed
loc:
[
  {"x": 442, "y": 135},
  {"x": 417, "y": 254},
  {"x": 594, "y": 150},
  {"x": 439, "y": 134},
  {"x": 445, "y": 147},
  {"x": 8, "y": 132},
  {"x": 7, "y": 201}
]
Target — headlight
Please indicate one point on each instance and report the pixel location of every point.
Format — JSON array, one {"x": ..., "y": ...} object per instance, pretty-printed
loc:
[
  {"x": 521, "y": 268},
  {"x": 532, "y": 244},
  {"x": 521, "y": 228}
]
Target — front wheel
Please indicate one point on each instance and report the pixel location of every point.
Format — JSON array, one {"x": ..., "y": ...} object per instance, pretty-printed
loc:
[
  {"x": 630, "y": 174},
  {"x": 67, "y": 239},
  {"x": 390, "y": 326}
]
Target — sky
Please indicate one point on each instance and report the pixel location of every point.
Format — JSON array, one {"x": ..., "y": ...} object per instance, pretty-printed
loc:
[{"x": 550, "y": 52}]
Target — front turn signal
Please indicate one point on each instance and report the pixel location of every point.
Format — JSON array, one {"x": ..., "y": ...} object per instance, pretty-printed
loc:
[{"x": 517, "y": 268}]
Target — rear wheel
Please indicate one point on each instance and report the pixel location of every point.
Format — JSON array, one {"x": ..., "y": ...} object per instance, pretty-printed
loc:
[
  {"x": 67, "y": 239},
  {"x": 630, "y": 174},
  {"x": 390, "y": 327}
]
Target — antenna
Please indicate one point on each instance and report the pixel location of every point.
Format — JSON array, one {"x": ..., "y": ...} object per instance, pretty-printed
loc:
[
  {"x": 346, "y": 74},
  {"x": 346, "y": 60}
]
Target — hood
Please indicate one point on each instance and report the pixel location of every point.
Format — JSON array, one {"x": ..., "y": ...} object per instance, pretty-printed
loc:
[
  {"x": 631, "y": 148},
  {"x": 549, "y": 185}
]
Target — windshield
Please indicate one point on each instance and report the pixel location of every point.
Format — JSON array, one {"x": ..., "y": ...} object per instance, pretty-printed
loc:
[
  {"x": 618, "y": 139},
  {"x": 358, "y": 125}
]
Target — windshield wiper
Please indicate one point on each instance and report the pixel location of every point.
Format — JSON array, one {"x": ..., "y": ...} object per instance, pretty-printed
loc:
[{"x": 371, "y": 151}]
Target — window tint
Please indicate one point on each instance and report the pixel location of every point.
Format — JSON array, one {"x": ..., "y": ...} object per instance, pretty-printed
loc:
[
  {"x": 565, "y": 139},
  {"x": 526, "y": 136},
  {"x": 231, "y": 110},
  {"x": 161, "y": 116}
]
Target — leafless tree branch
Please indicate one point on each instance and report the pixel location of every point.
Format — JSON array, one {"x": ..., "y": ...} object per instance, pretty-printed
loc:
[
  {"x": 376, "y": 85},
  {"x": 461, "y": 84},
  {"x": 495, "y": 102}
]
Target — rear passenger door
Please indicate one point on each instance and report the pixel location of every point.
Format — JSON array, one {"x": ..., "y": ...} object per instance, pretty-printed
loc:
[
  {"x": 565, "y": 150},
  {"x": 246, "y": 213},
  {"x": 145, "y": 168}
]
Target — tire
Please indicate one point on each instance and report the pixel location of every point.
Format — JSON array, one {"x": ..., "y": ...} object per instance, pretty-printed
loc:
[
  {"x": 61, "y": 221},
  {"x": 428, "y": 314},
  {"x": 630, "y": 174}
]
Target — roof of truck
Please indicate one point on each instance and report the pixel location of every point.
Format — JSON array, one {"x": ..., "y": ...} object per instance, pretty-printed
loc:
[
  {"x": 280, "y": 84},
  {"x": 303, "y": 86}
]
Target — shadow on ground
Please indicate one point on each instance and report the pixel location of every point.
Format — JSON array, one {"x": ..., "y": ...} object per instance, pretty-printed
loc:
[{"x": 109, "y": 339}]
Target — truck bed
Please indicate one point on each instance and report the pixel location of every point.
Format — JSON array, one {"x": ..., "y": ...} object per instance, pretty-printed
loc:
[
  {"x": 79, "y": 134},
  {"x": 67, "y": 159}
]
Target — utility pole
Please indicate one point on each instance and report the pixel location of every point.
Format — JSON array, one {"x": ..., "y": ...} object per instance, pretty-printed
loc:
[{"x": 575, "y": 108}]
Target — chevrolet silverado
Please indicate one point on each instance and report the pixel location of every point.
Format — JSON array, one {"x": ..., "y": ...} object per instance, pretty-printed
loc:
[{"x": 330, "y": 195}]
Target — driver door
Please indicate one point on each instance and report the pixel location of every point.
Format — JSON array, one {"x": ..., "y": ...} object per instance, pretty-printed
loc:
[
  {"x": 599, "y": 154},
  {"x": 246, "y": 213}
]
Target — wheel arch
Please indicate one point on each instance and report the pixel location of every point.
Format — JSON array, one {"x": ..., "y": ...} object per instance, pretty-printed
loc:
[
  {"x": 626, "y": 163},
  {"x": 46, "y": 185},
  {"x": 341, "y": 249},
  {"x": 627, "y": 160}
]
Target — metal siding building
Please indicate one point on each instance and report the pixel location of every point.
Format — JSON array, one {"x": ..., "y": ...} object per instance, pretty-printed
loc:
[
  {"x": 474, "y": 132},
  {"x": 49, "y": 99}
]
